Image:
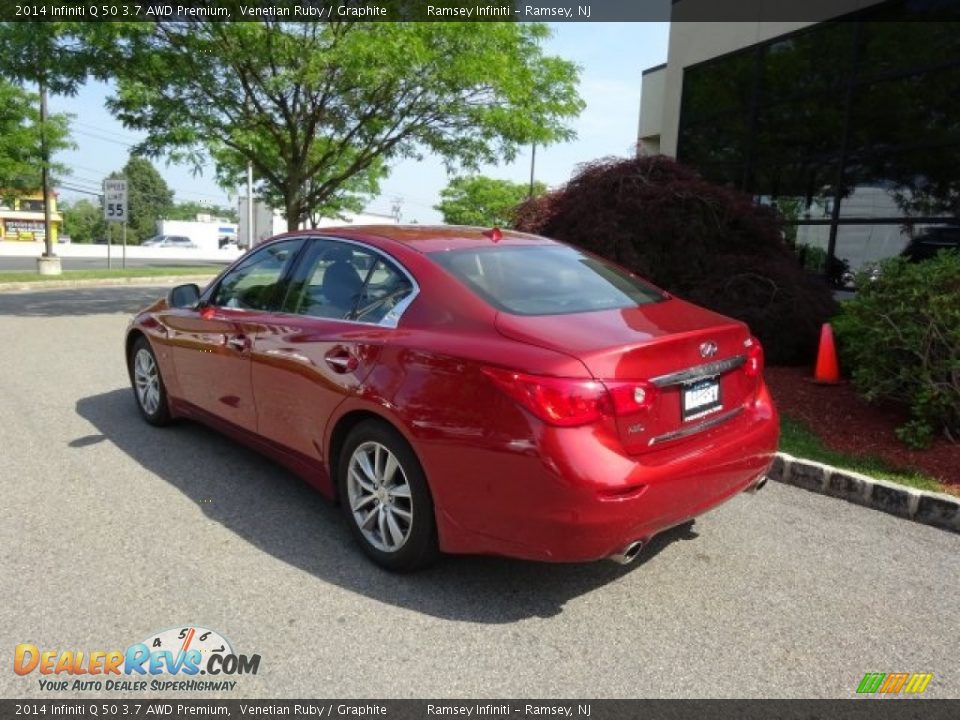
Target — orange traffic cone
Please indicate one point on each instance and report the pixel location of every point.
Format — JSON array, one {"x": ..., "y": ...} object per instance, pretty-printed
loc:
[{"x": 827, "y": 371}]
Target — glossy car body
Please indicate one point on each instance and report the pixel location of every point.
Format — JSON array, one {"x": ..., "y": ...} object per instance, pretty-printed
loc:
[{"x": 437, "y": 368}]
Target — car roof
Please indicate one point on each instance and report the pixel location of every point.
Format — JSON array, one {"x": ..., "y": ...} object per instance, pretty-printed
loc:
[
  {"x": 428, "y": 238},
  {"x": 949, "y": 233}
]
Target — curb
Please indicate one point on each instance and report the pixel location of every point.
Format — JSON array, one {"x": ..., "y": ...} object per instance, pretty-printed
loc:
[
  {"x": 201, "y": 280},
  {"x": 936, "y": 509}
]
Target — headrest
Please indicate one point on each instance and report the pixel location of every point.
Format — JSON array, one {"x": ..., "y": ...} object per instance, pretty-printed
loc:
[{"x": 339, "y": 253}]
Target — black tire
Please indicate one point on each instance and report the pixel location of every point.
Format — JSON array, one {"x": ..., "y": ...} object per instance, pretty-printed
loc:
[
  {"x": 154, "y": 412},
  {"x": 419, "y": 549}
]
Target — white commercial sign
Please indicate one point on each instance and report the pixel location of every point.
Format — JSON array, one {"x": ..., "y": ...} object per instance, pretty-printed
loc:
[{"x": 115, "y": 200}]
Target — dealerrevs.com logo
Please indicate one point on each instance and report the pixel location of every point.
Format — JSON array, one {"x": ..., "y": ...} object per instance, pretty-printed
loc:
[{"x": 171, "y": 660}]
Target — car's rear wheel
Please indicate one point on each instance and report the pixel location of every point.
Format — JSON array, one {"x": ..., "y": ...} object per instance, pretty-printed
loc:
[
  {"x": 385, "y": 496},
  {"x": 148, "y": 387}
]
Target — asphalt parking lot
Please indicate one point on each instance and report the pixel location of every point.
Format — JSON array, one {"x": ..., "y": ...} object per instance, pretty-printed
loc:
[{"x": 111, "y": 530}]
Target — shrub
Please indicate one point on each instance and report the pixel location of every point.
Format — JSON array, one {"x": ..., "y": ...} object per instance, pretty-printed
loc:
[
  {"x": 708, "y": 244},
  {"x": 900, "y": 336}
]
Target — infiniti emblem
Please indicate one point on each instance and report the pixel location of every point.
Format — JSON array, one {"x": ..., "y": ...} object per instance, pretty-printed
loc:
[{"x": 708, "y": 349}]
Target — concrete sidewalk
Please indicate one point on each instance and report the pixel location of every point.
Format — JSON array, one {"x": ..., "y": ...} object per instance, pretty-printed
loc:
[
  {"x": 134, "y": 252},
  {"x": 155, "y": 280}
]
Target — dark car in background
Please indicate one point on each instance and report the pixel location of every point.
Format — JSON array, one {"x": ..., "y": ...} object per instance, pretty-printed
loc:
[{"x": 931, "y": 241}]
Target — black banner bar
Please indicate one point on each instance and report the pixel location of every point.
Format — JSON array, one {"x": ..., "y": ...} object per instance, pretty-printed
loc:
[
  {"x": 465, "y": 10},
  {"x": 858, "y": 709}
]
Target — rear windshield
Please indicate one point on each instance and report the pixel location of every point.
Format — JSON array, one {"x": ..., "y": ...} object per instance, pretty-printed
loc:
[{"x": 545, "y": 279}]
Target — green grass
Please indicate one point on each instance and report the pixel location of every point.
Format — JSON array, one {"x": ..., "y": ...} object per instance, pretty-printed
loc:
[
  {"x": 797, "y": 439},
  {"x": 100, "y": 274}
]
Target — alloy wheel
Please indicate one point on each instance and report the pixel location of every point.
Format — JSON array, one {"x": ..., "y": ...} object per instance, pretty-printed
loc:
[
  {"x": 147, "y": 381},
  {"x": 379, "y": 497}
]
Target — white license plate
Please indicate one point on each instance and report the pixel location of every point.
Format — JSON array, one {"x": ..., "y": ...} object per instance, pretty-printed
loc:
[{"x": 701, "y": 398}]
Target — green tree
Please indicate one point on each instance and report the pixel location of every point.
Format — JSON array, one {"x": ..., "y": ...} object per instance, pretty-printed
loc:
[
  {"x": 83, "y": 221},
  {"x": 148, "y": 198},
  {"x": 57, "y": 57},
  {"x": 479, "y": 200},
  {"x": 20, "y": 139},
  {"x": 320, "y": 108}
]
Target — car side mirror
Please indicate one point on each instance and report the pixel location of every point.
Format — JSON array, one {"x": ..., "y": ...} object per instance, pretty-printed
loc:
[{"x": 184, "y": 296}]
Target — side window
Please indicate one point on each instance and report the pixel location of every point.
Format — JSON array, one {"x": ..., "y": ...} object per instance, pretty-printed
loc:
[
  {"x": 255, "y": 284},
  {"x": 346, "y": 282},
  {"x": 386, "y": 287}
]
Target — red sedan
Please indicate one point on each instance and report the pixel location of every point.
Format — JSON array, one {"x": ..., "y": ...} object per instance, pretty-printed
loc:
[{"x": 466, "y": 391}]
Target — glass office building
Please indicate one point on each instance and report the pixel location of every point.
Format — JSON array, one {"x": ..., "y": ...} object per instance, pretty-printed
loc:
[{"x": 851, "y": 127}]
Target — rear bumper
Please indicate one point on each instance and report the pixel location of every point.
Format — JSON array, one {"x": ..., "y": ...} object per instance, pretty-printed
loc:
[{"x": 576, "y": 497}]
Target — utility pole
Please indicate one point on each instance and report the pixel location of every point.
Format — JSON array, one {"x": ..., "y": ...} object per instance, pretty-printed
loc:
[
  {"x": 49, "y": 263},
  {"x": 249, "y": 205},
  {"x": 533, "y": 161}
]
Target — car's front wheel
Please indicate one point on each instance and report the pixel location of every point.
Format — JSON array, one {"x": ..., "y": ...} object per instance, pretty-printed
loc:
[
  {"x": 148, "y": 387},
  {"x": 385, "y": 496}
]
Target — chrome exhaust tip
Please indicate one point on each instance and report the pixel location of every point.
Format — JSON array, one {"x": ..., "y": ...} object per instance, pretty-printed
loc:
[
  {"x": 628, "y": 554},
  {"x": 758, "y": 485}
]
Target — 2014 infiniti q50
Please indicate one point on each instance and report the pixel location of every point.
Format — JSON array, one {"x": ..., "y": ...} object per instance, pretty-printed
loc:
[{"x": 466, "y": 390}]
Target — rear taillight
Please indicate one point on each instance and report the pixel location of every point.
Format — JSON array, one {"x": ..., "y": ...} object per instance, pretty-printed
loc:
[
  {"x": 558, "y": 401},
  {"x": 569, "y": 402},
  {"x": 754, "y": 364}
]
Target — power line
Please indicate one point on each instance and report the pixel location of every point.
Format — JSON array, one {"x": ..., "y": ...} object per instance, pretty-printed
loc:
[
  {"x": 82, "y": 179},
  {"x": 183, "y": 195},
  {"x": 100, "y": 129},
  {"x": 105, "y": 139},
  {"x": 78, "y": 190}
]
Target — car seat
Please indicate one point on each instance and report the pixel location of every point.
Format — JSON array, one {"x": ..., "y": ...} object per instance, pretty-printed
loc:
[{"x": 341, "y": 281}]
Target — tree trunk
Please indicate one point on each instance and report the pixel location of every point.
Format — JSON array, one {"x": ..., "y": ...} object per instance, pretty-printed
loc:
[
  {"x": 293, "y": 215},
  {"x": 294, "y": 195},
  {"x": 293, "y": 204}
]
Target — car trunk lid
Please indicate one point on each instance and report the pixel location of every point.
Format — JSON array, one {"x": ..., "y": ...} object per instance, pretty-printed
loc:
[{"x": 689, "y": 362}]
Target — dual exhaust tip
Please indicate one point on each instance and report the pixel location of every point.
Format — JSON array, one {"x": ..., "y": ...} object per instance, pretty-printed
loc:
[
  {"x": 629, "y": 553},
  {"x": 758, "y": 485}
]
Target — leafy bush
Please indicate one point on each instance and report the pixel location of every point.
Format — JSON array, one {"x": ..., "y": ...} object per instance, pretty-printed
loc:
[
  {"x": 900, "y": 336},
  {"x": 708, "y": 244}
]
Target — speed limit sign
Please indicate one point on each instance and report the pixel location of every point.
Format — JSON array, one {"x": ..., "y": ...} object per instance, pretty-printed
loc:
[{"x": 115, "y": 200}]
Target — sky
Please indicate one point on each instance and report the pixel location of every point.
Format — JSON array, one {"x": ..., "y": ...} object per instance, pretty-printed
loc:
[{"x": 611, "y": 57}]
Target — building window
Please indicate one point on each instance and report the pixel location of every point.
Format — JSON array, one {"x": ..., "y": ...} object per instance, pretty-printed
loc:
[
  {"x": 31, "y": 205},
  {"x": 850, "y": 128}
]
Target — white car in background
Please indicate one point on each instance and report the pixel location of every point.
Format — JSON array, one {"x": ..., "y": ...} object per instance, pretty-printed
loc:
[{"x": 170, "y": 241}]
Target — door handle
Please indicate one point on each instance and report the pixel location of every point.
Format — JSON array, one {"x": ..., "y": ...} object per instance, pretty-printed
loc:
[
  {"x": 341, "y": 360},
  {"x": 240, "y": 343}
]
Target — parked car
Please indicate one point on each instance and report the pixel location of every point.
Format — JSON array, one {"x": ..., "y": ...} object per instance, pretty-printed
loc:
[
  {"x": 466, "y": 391},
  {"x": 924, "y": 246},
  {"x": 928, "y": 243},
  {"x": 171, "y": 241}
]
